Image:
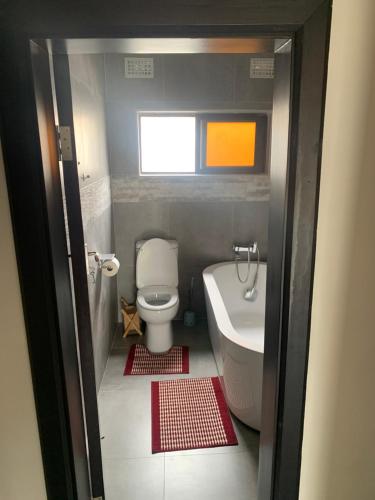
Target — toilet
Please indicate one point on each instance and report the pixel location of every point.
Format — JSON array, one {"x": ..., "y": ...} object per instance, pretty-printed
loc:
[{"x": 157, "y": 294}]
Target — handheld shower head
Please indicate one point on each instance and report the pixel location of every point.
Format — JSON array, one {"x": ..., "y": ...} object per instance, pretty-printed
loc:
[{"x": 250, "y": 294}]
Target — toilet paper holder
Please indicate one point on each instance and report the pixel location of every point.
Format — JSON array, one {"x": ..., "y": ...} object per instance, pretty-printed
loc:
[
  {"x": 106, "y": 263},
  {"x": 100, "y": 258}
]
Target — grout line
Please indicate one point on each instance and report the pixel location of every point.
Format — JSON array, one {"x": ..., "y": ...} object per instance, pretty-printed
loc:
[
  {"x": 166, "y": 455},
  {"x": 210, "y": 451}
]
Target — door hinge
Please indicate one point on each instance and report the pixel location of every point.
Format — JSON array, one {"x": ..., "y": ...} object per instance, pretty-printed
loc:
[{"x": 64, "y": 142}]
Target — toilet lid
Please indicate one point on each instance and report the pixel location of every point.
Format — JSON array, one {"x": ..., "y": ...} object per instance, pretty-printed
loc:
[{"x": 156, "y": 264}]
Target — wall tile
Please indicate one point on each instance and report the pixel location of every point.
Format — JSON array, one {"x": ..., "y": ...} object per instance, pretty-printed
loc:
[
  {"x": 205, "y": 214},
  {"x": 199, "y": 77},
  {"x": 258, "y": 90},
  {"x": 206, "y": 237},
  {"x": 198, "y": 302},
  {"x": 95, "y": 199},
  {"x": 126, "y": 282},
  {"x": 87, "y": 83},
  {"x": 89, "y": 118},
  {"x": 88, "y": 69},
  {"x": 203, "y": 230},
  {"x": 250, "y": 223},
  {"x": 102, "y": 292},
  {"x": 122, "y": 131},
  {"x": 133, "y": 222},
  {"x": 194, "y": 188},
  {"x": 188, "y": 81}
]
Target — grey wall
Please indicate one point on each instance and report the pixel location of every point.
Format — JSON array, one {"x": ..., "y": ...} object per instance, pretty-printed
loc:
[
  {"x": 181, "y": 82},
  {"x": 87, "y": 80},
  {"x": 205, "y": 214},
  {"x": 204, "y": 230}
]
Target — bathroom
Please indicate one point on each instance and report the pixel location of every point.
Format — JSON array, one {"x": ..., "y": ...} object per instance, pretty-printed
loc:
[{"x": 205, "y": 214}]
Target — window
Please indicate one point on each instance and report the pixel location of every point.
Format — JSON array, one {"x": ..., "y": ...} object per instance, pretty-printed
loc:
[
  {"x": 173, "y": 144},
  {"x": 230, "y": 143},
  {"x": 167, "y": 144}
]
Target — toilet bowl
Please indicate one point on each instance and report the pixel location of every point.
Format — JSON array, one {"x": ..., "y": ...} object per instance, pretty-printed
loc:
[{"x": 157, "y": 295}]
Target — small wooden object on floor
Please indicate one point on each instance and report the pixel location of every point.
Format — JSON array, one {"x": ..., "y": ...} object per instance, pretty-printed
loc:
[{"x": 131, "y": 319}]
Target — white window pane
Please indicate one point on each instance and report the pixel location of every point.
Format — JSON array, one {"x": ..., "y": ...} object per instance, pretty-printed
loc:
[{"x": 167, "y": 144}]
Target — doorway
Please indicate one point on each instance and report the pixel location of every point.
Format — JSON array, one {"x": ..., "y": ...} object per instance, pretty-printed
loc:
[
  {"x": 274, "y": 287},
  {"x": 124, "y": 201}
]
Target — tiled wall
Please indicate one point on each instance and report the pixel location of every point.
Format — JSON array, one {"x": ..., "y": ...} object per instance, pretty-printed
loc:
[
  {"x": 181, "y": 82},
  {"x": 205, "y": 214},
  {"x": 205, "y": 232},
  {"x": 87, "y": 80}
]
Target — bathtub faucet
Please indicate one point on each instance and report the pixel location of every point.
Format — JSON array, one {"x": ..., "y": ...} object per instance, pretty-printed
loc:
[
  {"x": 250, "y": 293},
  {"x": 252, "y": 248}
]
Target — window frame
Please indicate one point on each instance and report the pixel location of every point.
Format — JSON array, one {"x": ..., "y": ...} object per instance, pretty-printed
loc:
[{"x": 201, "y": 119}]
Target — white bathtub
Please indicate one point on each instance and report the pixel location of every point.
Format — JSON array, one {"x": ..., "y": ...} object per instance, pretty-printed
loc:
[{"x": 236, "y": 328}]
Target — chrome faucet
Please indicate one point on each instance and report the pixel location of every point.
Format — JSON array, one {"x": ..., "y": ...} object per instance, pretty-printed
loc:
[
  {"x": 250, "y": 293},
  {"x": 252, "y": 248}
]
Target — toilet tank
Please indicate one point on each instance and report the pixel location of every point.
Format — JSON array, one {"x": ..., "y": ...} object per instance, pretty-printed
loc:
[
  {"x": 172, "y": 243},
  {"x": 155, "y": 266}
]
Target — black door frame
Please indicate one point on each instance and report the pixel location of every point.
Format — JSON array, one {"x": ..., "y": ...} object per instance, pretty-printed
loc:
[{"x": 37, "y": 213}]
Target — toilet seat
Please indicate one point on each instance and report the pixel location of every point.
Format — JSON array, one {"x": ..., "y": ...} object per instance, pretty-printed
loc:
[
  {"x": 157, "y": 298},
  {"x": 156, "y": 264}
]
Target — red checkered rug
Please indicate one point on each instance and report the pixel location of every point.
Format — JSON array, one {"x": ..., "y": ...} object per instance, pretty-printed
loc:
[
  {"x": 188, "y": 414},
  {"x": 141, "y": 362}
]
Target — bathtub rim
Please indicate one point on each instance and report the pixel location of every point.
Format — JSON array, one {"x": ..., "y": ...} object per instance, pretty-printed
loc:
[{"x": 223, "y": 320}]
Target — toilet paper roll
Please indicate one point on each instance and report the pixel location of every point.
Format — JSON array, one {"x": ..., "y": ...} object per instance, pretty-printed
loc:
[{"x": 110, "y": 267}]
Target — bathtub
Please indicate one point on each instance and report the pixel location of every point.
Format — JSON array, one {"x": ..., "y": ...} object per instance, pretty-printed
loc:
[{"x": 236, "y": 329}]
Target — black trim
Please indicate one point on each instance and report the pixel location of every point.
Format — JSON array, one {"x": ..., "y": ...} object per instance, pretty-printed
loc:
[
  {"x": 31, "y": 165},
  {"x": 304, "y": 173},
  {"x": 277, "y": 272}
]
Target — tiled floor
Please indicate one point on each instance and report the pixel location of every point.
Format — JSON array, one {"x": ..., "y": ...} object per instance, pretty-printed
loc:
[{"x": 132, "y": 472}]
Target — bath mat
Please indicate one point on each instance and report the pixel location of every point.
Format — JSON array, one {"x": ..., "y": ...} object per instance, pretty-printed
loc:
[
  {"x": 141, "y": 362},
  {"x": 188, "y": 414}
]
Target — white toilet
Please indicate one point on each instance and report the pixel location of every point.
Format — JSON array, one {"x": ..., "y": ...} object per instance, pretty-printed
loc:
[{"x": 157, "y": 296}]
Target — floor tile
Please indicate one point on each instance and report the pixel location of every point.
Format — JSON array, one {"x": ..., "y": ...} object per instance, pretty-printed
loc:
[
  {"x": 134, "y": 479},
  {"x": 131, "y": 471},
  {"x": 119, "y": 342},
  {"x": 248, "y": 442},
  {"x": 197, "y": 336},
  {"x": 201, "y": 359},
  {"x": 125, "y": 423},
  {"x": 211, "y": 477},
  {"x": 113, "y": 377}
]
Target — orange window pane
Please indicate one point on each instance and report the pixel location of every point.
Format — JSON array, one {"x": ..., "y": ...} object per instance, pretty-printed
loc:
[{"x": 230, "y": 144}]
